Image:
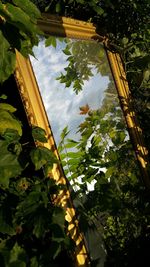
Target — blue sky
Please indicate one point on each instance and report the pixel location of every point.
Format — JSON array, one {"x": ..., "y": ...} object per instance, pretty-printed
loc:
[{"x": 62, "y": 104}]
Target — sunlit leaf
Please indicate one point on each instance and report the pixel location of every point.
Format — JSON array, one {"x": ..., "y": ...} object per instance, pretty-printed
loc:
[
  {"x": 41, "y": 156},
  {"x": 9, "y": 122}
]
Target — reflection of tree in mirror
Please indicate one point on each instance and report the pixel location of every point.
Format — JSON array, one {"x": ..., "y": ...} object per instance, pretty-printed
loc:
[
  {"x": 104, "y": 155},
  {"x": 84, "y": 59},
  {"x": 103, "y": 134}
]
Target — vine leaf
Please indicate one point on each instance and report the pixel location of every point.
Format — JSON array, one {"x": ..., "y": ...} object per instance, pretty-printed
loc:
[
  {"x": 41, "y": 156},
  {"x": 9, "y": 165},
  {"x": 28, "y": 7},
  {"x": 9, "y": 122},
  {"x": 39, "y": 134},
  {"x": 7, "y": 59}
]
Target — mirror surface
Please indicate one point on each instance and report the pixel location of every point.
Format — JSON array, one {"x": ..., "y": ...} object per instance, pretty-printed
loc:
[
  {"x": 80, "y": 98},
  {"x": 73, "y": 78},
  {"x": 82, "y": 105}
]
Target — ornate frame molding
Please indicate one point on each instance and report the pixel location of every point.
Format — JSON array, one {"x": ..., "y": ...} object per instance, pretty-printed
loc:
[{"x": 36, "y": 113}]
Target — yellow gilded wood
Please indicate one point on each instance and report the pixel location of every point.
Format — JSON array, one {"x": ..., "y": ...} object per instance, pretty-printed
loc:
[
  {"x": 36, "y": 115},
  {"x": 127, "y": 106}
]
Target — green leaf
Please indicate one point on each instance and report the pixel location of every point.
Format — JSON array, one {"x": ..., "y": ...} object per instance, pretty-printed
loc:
[
  {"x": 98, "y": 10},
  {"x": 58, "y": 7},
  {"x": 39, "y": 226},
  {"x": 7, "y": 107},
  {"x": 64, "y": 133},
  {"x": 8, "y": 121},
  {"x": 66, "y": 52},
  {"x": 9, "y": 165},
  {"x": 58, "y": 216},
  {"x": 75, "y": 155},
  {"x": 125, "y": 41},
  {"x": 21, "y": 20},
  {"x": 3, "y": 97},
  {"x": 39, "y": 134},
  {"x": 7, "y": 59},
  {"x": 71, "y": 143},
  {"x": 13, "y": 255},
  {"x": 48, "y": 168},
  {"x": 28, "y": 7},
  {"x": 41, "y": 156},
  {"x": 17, "y": 257},
  {"x": 11, "y": 135},
  {"x": 51, "y": 40},
  {"x": 5, "y": 228},
  {"x": 34, "y": 262}
]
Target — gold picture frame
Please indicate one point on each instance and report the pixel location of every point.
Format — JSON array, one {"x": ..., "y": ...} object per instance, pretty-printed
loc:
[{"x": 36, "y": 114}]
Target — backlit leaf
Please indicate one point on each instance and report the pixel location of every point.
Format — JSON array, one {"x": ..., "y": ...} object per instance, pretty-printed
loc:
[
  {"x": 9, "y": 165},
  {"x": 7, "y": 59}
]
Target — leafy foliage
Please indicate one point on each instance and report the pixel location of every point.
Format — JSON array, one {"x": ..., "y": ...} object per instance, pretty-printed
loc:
[
  {"x": 32, "y": 227},
  {"x": 18, "y": 30},
  {"x": 118, "y": 208},
  {"x": 83, "y": 59}
]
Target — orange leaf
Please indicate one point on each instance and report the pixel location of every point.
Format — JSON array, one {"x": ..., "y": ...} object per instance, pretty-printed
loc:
[{"x": 84, "y": 109}]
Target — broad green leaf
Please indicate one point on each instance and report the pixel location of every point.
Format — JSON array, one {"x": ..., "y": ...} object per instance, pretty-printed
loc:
[
  {"x": 39, "y": 226},
  {"x": 17, "y": 257},
  {"x": 58, "y": 216},
  {"x": 66, "y": 52},
  {"x": 21, "y": 20},
  {"x": 8, "y": 121},
  {"x": 48, "y": 168},
  {"x": 98, "y": 10},
  {"x": 9, "y": 165},
  {"x": 13, "y": 256},
  {"x": 74, "y": 155},
  {"x": 34, "y": 262},
  {"x": 3, "y": 96},
  {"x": 58, "y": 7},
  {"x": 7, "y": 107},
  {"x": 51, "y": 40},
  {"x": 74, "y": 161},
  {"x": 28, "y": 7},
  {"x": 29, "y": 206},
  {"x": 11, "y": 135},
  {"x": 41, "y": 156},
  {"x": 39, "y": 134},
  {"x": 3, "y": 11},
  {"x": 7, "y": 59},
  {"x": 5, "y": 228}
]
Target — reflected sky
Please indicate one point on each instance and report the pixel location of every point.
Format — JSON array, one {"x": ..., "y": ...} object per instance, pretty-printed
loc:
[{"x": 62, "y": 104}]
